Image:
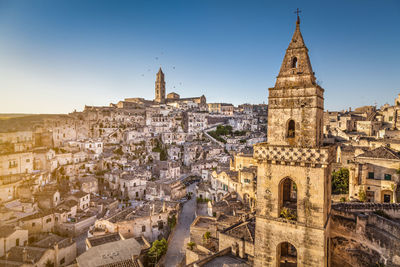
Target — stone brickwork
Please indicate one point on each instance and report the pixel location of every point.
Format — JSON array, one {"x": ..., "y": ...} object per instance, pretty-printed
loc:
[
  {"x": 294, "y": 169},
  {"x": 296, "y": 97},
  {"x": 360, "y": 238}
]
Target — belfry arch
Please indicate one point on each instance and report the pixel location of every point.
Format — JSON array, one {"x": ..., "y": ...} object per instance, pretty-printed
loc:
[
  {"x": 287, "y": 255},
  {"x": 294, "y": 62},
  {"x": 288, "y": 199}
]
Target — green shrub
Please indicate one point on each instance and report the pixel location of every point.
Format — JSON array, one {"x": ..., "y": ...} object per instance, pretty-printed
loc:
[
  {"x": 340, "y": 181},
  {"x": 288, "y": 214},
  {"x": 191, "y": 245}
]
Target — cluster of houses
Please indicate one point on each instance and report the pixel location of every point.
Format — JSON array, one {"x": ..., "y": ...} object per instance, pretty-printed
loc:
[{"x": 99, "y": 186}]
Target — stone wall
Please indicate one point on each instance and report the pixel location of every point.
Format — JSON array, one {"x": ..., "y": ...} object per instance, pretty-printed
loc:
[{"x": 358, "y": 239}]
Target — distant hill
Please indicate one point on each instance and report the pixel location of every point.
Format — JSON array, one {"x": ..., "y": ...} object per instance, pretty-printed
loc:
[
  {"x": 24, "y": 122},
  {"x": 7, "y": 116}
]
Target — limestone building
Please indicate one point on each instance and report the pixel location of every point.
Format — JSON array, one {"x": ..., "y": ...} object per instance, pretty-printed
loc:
[
  {"x": 293, "y": 181},
  {"x": 160, "y": 87}
]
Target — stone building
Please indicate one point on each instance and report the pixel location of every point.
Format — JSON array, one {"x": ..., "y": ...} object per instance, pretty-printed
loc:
[
  {"x": 160, "y": 87},
  {"x": 293, "y": 180},
  {"x": 10, "y": 237},
  {"x": 375, "y": 172},
  {"x": 15, "y": 163}
]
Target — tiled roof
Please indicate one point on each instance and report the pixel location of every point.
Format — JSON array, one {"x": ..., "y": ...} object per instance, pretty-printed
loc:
[
  {"x": 124, "y": 263},
  {"x": 244, "y": 231},
  {"x": 109, "y": 254},
  {"x": 103, "y": 239},
  {"x": 381, "y": 153},
  {"x": 6, "y": 230},
  {"x": 52, "y": 239},
  {"x": 34, "y": 254}
]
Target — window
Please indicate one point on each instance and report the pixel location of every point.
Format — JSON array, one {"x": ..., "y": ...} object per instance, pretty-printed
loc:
[
  {"x": 143, "y": 228},
  {"x": 288, "y": 199},
  {"x": 390, "y": 118},
  {"x": 371, "y": 175},
  {"x": 28, "y": 160},
  {"x": 388, "y": 177},
  {"x": 386, "y": 198},
  {"x": 17, "y": 242},
  {"x": 33, "y": 224},
  {"x": 12, "y": 164},
  {"x": 48, "y": 220},
  {"x": 291, "y": 129},
  {"x": 160, "y": 225},
  {"x": 294, "y": 62}
]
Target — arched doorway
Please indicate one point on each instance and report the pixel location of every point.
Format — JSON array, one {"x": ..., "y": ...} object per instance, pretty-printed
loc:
[
  {"x": 287, "y": 255},
  {"x": 288, "y": 199}
]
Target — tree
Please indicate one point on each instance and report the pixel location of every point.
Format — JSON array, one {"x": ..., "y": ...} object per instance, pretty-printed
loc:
[
  {"x": 340, "y": 181},
  {"x": 191, "y": 245},
  {"x": 207, "y": 236},
  {"x": 158, "y": 248},
  {"x": 362, "y": 195},
  {"x": 172, "y": 221}
]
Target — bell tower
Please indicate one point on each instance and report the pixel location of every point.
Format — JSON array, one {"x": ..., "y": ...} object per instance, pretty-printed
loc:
[
  {"x": 296, "y": 103},
  {"x": 294, "y": 168},
  {"x": 160, "y": 87}
]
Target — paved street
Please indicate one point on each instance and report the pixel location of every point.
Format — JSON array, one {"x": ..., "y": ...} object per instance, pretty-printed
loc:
[{"x": 176, "y": 249}]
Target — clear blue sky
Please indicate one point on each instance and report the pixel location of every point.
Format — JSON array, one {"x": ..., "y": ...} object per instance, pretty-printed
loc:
[{"x": 57, "y": 56}]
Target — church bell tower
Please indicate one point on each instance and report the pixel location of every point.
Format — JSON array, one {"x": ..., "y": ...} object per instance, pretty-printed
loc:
[
  {"x": 160, "y": 87},
  {"x": 294, "y": 168}
]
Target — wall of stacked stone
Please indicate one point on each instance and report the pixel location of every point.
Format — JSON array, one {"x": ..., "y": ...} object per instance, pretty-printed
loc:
[
  {"x": 391, "y": 209},
  {"x": 358, "y": 223}
]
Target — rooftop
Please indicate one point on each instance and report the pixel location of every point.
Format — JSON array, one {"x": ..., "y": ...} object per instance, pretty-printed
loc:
[
  {"x": 103, "y": 239},
  {"x": 110, "y": 253},
  {"x": 381, "y": 153}
]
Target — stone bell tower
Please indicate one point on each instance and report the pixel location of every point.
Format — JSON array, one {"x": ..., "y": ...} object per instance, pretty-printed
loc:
[
  {"x": 293, "y": 187},
  {"x": 160, "y": 87}
]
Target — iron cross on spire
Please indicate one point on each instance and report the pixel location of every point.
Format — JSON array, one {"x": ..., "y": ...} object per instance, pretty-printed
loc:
[{"x": 297, "y": 12}]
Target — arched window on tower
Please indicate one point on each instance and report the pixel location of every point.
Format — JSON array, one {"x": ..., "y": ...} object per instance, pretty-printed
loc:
[
  {"x": 288, "y": 199},
  {"x": 294, "y": 62},
  {"x": 291, "y": 131},
  {"x": 287, "y": 255}
]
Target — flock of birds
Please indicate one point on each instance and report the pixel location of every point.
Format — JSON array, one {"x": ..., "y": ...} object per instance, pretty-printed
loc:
[{"x": 152, "y": 72}]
